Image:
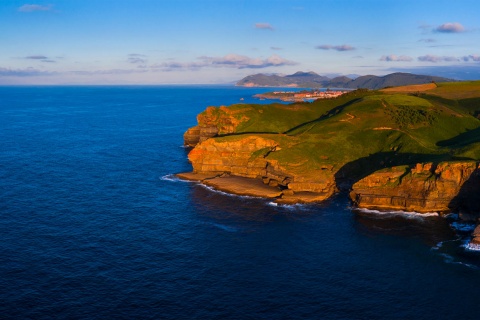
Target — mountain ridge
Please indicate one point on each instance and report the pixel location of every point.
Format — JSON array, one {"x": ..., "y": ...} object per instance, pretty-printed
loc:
[{"x": 313, "y": 80}]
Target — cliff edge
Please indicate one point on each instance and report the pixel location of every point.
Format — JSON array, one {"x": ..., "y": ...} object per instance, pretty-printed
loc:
[{"x": 405, "y": 148}]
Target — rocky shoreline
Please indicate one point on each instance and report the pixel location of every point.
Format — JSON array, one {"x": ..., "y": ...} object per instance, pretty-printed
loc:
[{"x": 237, "y": 150}]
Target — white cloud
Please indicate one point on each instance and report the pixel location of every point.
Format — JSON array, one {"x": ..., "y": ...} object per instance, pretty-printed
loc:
[
  {"x": 343, "y": 47},
  {"x": 435, "y": 59},
  {"x": 266, "y": 26},
  {"x": 394, "y": 57},
  {"x": 137, "y": 58},
  {"x": 450, "y": 27},
  {"x": 229, "y": 61},
  {"x": 28, "y": 72},
  {"x": 473, "y": 57},
  {"x": 34, "y": 7}
]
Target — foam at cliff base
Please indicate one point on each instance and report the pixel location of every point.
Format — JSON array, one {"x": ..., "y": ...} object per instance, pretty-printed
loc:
[
  {"x": 472, "y": 247},
  {"x": 405, "y": 214},
  {"x": 173, "y": 178},
  {"x": 296, "y": 206},
  {"x": 212, "y": 189},
  {"x": 243, "y": 186}
]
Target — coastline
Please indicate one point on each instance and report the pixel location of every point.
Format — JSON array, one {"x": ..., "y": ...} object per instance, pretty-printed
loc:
[{"x": 243, "y": 186}]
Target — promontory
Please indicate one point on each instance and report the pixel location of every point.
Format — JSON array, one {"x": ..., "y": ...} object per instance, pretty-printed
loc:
[{"x": 414, "y": 148}]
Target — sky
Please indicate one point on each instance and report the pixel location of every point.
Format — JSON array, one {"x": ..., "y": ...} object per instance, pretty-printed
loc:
[{"x": 67, "y": 42}]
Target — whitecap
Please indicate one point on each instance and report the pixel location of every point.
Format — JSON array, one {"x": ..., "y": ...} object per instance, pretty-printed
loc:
[{"x": 405, "y": 214}]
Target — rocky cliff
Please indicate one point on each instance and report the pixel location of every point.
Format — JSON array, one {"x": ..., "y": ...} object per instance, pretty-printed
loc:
[
  {"x": 425, "y": 187},
  {"x": 214, "y": 121},
  {"x": 306, "y": 151},
  {"x": 246, "y": 156}
]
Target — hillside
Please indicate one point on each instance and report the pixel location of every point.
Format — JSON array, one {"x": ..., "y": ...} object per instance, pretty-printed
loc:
[
  {"x": 313, "y": 80},
  {"x": 310, "y": 150}
]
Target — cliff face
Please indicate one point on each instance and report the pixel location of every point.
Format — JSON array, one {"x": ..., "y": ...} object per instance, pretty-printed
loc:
[
  {"x": 424, "y": 188},
  {"x": 248, "y": 157},
  {"x": 212, "y": 122},
  {"x": 244, "y": 157}
]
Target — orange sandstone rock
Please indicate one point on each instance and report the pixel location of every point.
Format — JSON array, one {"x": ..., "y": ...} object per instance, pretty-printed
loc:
[{"x": 424, "y": 188}]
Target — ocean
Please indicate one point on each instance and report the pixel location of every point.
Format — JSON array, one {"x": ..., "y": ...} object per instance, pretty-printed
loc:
[{"x": 94, "y": 225}]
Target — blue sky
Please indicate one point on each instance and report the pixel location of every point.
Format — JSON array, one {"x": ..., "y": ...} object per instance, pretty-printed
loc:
[{"x": 221, "y": 41}]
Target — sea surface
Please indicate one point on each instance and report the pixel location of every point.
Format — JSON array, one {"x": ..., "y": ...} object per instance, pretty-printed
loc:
[{"x": 94, "y": 225}]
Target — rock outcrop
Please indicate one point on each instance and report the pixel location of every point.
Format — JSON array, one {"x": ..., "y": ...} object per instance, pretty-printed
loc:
[
  {"x": 247, "y": 156},
  {"x": 243, "y": 157},
  {"x": 425, "y": 187},
  {"x": 474, "y": 244},
  {"x": 214, "y": 121}
]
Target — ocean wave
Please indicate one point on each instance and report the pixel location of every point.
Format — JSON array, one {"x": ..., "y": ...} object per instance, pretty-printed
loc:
[
  {"x": 226, "y": 193},
  {"x": 452, "y": 215},
  {"x": 471, "y": 247},
  {"x": 400, "y": 213},
  {"x": 295, "y": 206},
  {"x": 172, "y": 178},
  {"x": 451, "y": 260},
  {"x": 223, "y": 227},
  {"x": 462, "y": 226}
]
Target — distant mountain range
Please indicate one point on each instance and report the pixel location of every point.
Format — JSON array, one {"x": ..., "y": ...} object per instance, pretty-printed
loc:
[{"x": 314, "y": 80}]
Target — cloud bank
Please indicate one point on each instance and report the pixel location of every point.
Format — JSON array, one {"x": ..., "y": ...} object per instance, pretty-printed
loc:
[
  {"x": 229, "y": 61},
  {"x": 450, "y": 27},
  {"x": 343, "y": 47},
  {"x": 394, "y": 57},
  {"x": 27, "y": 72},
  {"x": 137, "y": 58},
  {"x": 265, "y": 26},
  {"x": 435, "y": 59},
  {"x": 35, "y": 7}
]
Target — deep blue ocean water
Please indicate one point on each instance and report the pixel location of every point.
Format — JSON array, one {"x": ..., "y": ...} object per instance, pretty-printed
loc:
[{"x": 94, "y": 226}]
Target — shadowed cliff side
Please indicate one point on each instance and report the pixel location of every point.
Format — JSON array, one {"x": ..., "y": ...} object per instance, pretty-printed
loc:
[{"x": 424, "y": 187}]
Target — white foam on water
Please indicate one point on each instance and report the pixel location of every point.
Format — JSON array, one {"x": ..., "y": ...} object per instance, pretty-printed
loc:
[
  {"x": 471, "y": 246},
  {"x": 172, "y": 178},
  {"x": 450, "y": 260},
  {"x": 226, "y": 193},
  {"x": 405, "y": 214},
  {"x": 462, "y": 226},
  {"x": 295, "y": 206},
  {"x": 452, "y": 215}
]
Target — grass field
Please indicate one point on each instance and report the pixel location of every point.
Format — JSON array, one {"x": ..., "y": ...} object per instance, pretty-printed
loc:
[{"x": 370, "y": 129}]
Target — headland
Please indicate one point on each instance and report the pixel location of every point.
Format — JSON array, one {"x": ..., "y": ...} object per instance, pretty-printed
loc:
[{"x": 413, "y": 148}]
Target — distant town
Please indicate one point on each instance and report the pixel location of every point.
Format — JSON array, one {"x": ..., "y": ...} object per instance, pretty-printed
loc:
[{"x": 304, "y": 95}]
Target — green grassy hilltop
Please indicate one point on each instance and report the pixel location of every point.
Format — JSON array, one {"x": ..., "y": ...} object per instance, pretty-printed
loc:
[{"x": 364, "y": 131}]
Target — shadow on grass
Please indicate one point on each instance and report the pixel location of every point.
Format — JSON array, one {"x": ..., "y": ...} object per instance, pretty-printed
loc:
[
  {"x": 463, "y": 139},
  {"x": 356, "y": 170},
  {"x": 329, "y": 114}
]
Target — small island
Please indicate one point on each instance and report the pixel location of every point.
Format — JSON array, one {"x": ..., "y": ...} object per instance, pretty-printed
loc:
[{"x": 412, "y": 148}]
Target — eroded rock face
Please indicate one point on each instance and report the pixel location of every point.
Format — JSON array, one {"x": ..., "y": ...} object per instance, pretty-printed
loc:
[
  {"x": 243, "y": 157},
  {"x": 426, "y": 187},
  {"x": 214, "y": 121},
  {"x": 197, "y": 134}
]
